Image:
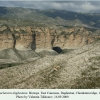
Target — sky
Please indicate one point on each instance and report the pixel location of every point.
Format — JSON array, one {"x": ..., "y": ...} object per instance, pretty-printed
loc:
[{"x": 76, "y": 6}]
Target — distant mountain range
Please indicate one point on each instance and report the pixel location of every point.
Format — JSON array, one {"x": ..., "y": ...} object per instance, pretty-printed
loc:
[{"x": 28, "y": 16}]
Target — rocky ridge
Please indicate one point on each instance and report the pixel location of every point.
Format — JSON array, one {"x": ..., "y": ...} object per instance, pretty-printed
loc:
[
  {"x": 20, "y": 45},
  {"x": 29, "y": 37}
]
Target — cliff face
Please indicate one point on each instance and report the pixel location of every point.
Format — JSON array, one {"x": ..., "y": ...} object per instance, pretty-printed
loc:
[{"x": 44, "y": 37}]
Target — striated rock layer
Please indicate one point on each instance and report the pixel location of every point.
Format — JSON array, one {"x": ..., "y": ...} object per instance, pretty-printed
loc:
[{"x": 29, "y": 37}]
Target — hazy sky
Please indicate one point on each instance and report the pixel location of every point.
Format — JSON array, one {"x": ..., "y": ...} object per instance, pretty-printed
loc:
[{"x": 79, "y": 6}]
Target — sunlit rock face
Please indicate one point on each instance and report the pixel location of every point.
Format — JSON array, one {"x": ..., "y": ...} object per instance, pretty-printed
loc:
[{"x": 44, "y": 37}]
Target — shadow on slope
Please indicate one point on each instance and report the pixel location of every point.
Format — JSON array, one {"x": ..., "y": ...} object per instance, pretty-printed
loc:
[{"x": 16, "y": 57}]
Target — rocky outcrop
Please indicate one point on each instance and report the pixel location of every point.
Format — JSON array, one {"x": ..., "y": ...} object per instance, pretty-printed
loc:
[
  {"x": 29, "y": 37},
  {"x": 6, "y": 38}
]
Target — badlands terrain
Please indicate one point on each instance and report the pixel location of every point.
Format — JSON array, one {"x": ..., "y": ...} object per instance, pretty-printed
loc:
[{"x": 49, "y": 49}]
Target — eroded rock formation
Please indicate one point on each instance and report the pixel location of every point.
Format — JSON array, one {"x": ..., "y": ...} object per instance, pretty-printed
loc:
[{"x": 29, "y": 37}]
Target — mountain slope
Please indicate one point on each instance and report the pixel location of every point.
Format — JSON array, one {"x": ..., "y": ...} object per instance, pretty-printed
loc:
[{"x": 51, "y": 16}]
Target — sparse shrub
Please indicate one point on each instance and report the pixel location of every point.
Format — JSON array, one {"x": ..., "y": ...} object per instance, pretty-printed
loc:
[{"x": 63, "y": 33}]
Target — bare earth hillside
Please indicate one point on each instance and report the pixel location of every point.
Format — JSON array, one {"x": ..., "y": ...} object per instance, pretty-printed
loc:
[{"x": 79, "y": 68}]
